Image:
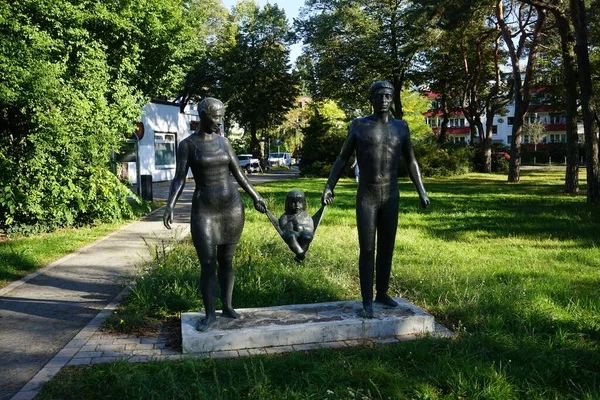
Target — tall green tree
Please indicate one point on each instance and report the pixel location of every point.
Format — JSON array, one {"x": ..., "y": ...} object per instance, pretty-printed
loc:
[
  {"x": 588, "y": 100},
  {"x": 324, "y": 136},
  {"x": 522, "y": 27},
  {"x": 74, "y": 75},
  {"x": 214, "y": 36},
  {"x": 559, "y": 58},
  {"x": 257, "y": 83},
  {"x": 350, "y": 44}
]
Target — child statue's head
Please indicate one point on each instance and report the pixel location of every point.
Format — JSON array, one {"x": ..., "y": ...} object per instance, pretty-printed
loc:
[{"x": 295, "y": 202}]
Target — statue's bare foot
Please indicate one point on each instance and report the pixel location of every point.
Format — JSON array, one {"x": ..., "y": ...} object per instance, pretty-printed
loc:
[
  {"x": 386, "y": 300},
  {"x": 367, "y": 311},
  {"x": 206, "y": 323},
  {"x": 230, "y": 313}
]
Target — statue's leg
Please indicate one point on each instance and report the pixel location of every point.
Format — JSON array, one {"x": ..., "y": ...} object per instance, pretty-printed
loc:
[
  {"x": 387, "y": 225},
  {"x": 227, "y": 278},
  {"x": 366, "y": 212},
  {"x": 291, "y": 240},
  {"x": 208, "y": 277},
  {"x": 304, "y": 239}
]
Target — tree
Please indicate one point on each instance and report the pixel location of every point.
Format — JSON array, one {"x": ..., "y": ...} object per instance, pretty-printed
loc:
[
  {"x": 535, "y": 130},
  {"x": 350, "y": 44},
  {"x": 324, "y": 136},
  {"x": 256, "y": 82},
  {"x": 560, "y": 13},
  {"x": 522, "y": 24},
  {"x": 72, "y": 86},
  {"x": 588, "y": 101},
  {"x": 462, "y": 65},
  {"x": 414, "y": 106},
  {"x": 214, "y": 36}
]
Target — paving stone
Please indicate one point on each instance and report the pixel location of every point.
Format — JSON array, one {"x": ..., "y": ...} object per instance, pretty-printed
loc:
[
  {"x": 90, "y": 354},
  {"x": 146, "y": 352},
  {"x": 306, "y": 347},
  {"x": 103, "y": 341},
  {"x": 279, "y": 349},
  {"x": 225, "y": 354},
  {"x": 80, "y": 361},
  {"x": 110, "y": 347},
  {"x": 386, "y": 340},
  {"x": 333, "y": 345},
  {"x": 198, "y": 355}
]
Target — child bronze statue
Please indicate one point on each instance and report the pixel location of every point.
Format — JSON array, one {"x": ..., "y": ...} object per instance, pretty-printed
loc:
[{"x": 296, "y": 227}]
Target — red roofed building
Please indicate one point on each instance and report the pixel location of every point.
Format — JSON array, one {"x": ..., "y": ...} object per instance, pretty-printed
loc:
[{"x": 459, "y": 132}]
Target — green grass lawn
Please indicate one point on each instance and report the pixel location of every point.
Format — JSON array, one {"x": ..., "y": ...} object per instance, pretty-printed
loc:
[
  {"x": 20, "y": 256},
  {"x": 513, "y": 268}
]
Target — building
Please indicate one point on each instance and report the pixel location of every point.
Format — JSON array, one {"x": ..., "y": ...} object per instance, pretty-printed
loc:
[
  {"x": 459, "y": 131},
  {"x": 159, "y": 132}
]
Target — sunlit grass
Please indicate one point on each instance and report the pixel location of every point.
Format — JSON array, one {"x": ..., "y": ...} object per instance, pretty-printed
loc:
[{"x": 514, "y": 269}]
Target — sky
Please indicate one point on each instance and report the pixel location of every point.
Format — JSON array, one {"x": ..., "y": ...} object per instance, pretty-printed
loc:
[{"x": 291, "y": 7}]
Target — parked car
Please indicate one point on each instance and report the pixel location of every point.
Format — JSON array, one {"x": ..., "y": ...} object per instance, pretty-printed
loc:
[
  {"x": 279, "y": 160},
  {"x": 249, "y": 163}
]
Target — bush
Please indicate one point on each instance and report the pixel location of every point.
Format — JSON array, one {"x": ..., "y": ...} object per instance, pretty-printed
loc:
[
  {"x": 443, "y": 161},
  {"x": 500, "y": 164},
  {"x": 323, "y": 141}
]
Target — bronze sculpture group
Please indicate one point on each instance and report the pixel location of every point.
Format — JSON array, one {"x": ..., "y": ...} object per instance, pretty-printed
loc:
[{"x": 217, "y": 219}]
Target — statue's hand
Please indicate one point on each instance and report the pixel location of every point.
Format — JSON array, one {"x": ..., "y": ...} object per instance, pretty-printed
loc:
[
  {"x": 327, "y": 197},
  {"x": 425, "y": 201},
  {"x": 168, "y": 217},
  {"x": 260, "y": 205}
]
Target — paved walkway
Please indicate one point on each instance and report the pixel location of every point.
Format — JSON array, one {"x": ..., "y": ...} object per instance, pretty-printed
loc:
[{"x": 50, "y": 318}]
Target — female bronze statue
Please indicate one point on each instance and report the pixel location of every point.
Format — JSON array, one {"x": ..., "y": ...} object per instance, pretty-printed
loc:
[{"x": 217, "y": 209}]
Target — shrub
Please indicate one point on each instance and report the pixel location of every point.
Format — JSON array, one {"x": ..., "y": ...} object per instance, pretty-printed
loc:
[
  {"x": 443, "y": 161},
  {"x": 323, "y": 140},
  {"x": 500, "y": 164}
]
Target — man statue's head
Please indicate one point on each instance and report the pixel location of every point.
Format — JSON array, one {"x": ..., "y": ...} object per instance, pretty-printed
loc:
[{"x": 381, "y": 96}]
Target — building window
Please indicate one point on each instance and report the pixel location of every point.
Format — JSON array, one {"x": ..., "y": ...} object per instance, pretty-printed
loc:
[
  {"x": 509, "y": 139},
  {"x": 164, "y": 150},
  {"x": 494, "y": 129},
  {"x": 510, "y": 120}
]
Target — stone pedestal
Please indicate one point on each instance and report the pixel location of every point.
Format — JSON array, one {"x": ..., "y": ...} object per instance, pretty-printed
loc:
[{"x": 302, "y": 325}]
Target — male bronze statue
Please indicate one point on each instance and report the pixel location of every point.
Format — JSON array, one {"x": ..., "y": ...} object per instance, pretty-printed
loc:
[
  {"x": 378, "y": 140},
  {"x": 217, "y": 210}
]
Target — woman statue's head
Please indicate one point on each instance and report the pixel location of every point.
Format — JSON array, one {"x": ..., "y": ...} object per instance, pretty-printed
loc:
[{"x": 211, "y": 113}]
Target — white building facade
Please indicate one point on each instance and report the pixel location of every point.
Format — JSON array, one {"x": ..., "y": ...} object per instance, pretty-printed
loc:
[
  {"x": 459, "y": 131},
  {"x": 160, "y": 130}
]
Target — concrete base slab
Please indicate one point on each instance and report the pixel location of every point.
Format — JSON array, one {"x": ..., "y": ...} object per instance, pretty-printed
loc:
[{"x": 303, "y": 324}]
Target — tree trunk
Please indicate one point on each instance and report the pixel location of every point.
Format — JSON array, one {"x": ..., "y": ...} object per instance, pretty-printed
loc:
[
  {"x": 398, "y": 113},
  {"x": 570, "y": 81},
  {"x": 587, "y": 101},
  {"x": 443, "y": 137},
  {"x": 486, "y": 143},
  {"x": 255, "y": 144},
  {"x": 514, "y": 166}
]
